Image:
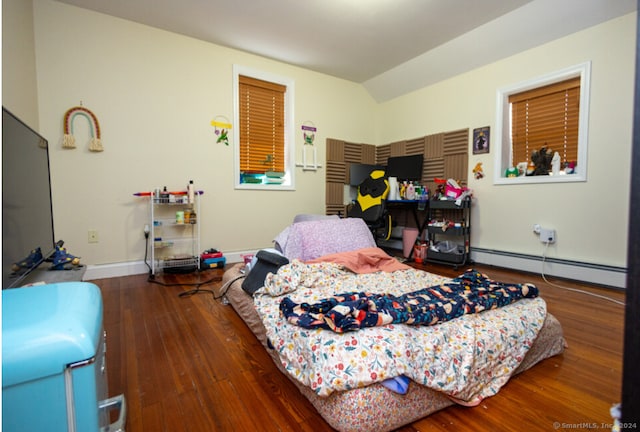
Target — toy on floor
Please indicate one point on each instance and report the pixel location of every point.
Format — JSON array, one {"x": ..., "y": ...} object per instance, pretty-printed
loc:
[{"x": 212, "y": 258}]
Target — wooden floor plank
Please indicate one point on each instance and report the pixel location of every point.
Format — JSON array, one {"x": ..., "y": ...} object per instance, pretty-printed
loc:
[{"x": 190, "y": 363}]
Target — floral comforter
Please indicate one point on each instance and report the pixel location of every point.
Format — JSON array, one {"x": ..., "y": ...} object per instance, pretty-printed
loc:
[
  {"x": 471, "y": 292},
  {"x": 469, "y": 358}
]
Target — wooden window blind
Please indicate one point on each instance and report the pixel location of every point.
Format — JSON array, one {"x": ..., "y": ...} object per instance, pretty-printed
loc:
[
  {"x": 546, "y": 116},
  {"x": 261, "y": 111}
]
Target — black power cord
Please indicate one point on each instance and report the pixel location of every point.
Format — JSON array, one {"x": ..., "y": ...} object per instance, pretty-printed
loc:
[
  {"x": 199, "y": 290},
  {"x": 146, "y": 249},
  {"x": 227, "y": 284}
]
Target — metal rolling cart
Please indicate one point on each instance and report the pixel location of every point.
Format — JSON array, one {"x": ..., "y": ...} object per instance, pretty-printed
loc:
[
  {"x": 449, "y": 232},
  {"x": 174, "y": 232}
]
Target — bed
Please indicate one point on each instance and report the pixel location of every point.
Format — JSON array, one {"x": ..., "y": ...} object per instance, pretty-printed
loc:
[{"x": 385, "y": 375}]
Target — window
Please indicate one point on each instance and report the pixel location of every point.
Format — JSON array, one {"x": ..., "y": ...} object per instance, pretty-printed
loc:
[
  {"x": 263, "y": 113},
  {"x": 545, "y": 115}
]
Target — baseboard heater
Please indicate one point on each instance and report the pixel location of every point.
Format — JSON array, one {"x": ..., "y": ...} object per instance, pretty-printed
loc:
[{"x": 598, "y": 274}]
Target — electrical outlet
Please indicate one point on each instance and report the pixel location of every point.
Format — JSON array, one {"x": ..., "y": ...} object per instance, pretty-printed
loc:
[
  {"x": 93, "y": 236},
  {"x": 547, "y": 235}
]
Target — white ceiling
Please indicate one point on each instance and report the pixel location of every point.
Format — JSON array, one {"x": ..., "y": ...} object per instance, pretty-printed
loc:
[{"x": 390, "y": 46}]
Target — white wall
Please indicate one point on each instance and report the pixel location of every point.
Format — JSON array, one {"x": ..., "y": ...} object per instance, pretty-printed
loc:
[
  {"x": 19, "y": 87},
  {"x": 591, "y": 218},
  {"x": 154, "y": 93}
]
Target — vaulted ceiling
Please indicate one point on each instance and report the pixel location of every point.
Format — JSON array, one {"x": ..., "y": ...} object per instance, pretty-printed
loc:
[{"x": 390, "y": 46}]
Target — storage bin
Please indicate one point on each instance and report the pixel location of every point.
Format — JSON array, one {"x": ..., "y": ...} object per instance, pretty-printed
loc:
[
  {"x": 447, "y": 251},
  {"x": 453, "y": 258}
]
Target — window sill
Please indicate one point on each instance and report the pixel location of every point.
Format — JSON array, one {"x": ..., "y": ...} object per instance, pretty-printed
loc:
[
  {"x": 263, "y": 186},
  {"x": 566, "y": 178}
]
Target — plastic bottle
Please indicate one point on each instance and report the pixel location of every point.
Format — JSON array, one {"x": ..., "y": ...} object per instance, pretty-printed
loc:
[
  {"x": 410, "y": 192},
  {"x": 190, "y": 192}
]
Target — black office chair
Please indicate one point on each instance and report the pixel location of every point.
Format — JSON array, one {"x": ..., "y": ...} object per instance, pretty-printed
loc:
[{"x": 370, "y": 205}]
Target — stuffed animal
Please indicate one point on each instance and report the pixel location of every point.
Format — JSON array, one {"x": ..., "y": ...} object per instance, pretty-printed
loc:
[{"x": 542, "y": 161}]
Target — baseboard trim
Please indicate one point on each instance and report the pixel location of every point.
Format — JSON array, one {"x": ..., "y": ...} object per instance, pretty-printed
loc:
[
  {"x": 105, "y": 271},
  {"x": 130, "y": 268},
  {"x": 609, "y": 276}
]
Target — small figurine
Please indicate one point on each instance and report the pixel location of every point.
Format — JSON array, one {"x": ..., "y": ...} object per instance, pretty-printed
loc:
[
  {"x": 511, "y": 172},
  {"x": 555, "y": 164},
  {"x": 570, "y": 167},
  {"x": 477, "y": 171}
]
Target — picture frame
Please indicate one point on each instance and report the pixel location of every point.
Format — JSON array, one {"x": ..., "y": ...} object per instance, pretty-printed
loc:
[{"x": 481, "y": 140}]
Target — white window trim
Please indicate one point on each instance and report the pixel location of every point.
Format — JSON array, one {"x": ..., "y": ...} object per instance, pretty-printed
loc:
[
  {"x": 289, "y": 140},
  {"x": 502, "y": 151}
]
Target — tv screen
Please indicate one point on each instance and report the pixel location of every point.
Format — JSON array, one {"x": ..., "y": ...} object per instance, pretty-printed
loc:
[
  {"x": 405, "y": 167},
  {"x": 27, "y": 217},
  {"x": 359, "y": 172}
]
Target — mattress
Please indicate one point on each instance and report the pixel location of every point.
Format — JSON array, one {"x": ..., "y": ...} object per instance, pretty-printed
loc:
[{"x": 359, "y": 408}]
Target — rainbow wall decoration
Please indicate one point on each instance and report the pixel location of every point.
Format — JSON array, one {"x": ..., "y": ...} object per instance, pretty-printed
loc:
[{"x": 69, "y": 141}]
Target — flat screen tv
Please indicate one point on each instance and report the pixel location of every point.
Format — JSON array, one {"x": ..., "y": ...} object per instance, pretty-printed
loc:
[
  {"x": 405, "y": 167},
  {"x": 27, "y": 215}
]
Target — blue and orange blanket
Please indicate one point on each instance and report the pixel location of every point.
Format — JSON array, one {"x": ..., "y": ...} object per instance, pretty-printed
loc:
[{"x": 471, "y": 292}]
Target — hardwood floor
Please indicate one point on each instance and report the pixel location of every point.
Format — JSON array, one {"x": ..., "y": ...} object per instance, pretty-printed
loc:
[{"x": 191, "y": 364}]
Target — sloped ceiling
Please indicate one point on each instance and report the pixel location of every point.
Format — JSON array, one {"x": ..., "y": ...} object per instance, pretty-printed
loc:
[{"x": 392, "y": 47}]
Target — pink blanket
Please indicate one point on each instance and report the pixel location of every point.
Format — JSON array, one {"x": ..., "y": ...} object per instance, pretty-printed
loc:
[{"x": 362, "y": 261}]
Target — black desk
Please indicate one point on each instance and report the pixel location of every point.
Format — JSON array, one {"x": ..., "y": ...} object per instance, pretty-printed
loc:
[{"x": 415, "y": 206}]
